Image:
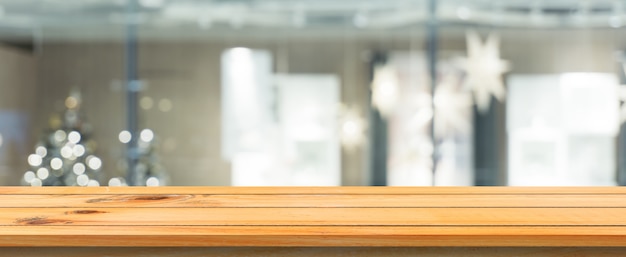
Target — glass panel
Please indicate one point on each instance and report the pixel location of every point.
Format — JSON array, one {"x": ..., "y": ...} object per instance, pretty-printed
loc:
[{"x": 276, "y": 92}]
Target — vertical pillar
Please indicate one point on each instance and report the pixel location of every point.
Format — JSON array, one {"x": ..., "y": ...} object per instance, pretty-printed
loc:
[
  {"x": 621, "y": 136},
  {"x": 431, "y": 50},
  {"x": 490, "y": 145},
  {"x": 621, "y": 156},
  {"x": 132, "y": 89},
  {"x": 378, "y": 137}
]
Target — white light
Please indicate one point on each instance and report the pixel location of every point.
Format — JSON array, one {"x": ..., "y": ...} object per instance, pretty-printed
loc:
[
  {"x": 79, "y": 168},
  {"x": 43, "y": 173},
  {"x": 82, "y": 180},
  {"x": 93, "y": 183},
  {"x": 350, "y": 127},
  {"x": 94, "y": 163},
  {"x": 115, "y": 182},
  {"x": 41, "y": 151},
  {"x": 152, "y": 182},
  {"x": 79, "y": 150},
  {"x": 34, "y": 160},
  {"x": 74, "y": 137},
  {"x": 1, "y": 140},
  {"x": 36, "y": 182},
  {"x": 241, "y": 52},
  {"x": 59, "y": 135},
  {"x": 241, "y": 71},
  {"x": 71, "y": 102},
  {"x": 124, "y": 136},
  {"x": 463, "y": 12},
  {"x": 151, "y": 3},
  {"x": 66, "y": 151},
  {"x": 29, "y": 176},
  {"x": 146, "y": 135},
  {"x": 385, "y": 90},
  {"x": 56, "y": 163}
]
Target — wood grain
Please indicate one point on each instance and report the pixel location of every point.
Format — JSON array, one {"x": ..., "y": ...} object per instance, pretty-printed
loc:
[
  {"x": 316, "y": 190},
  {"x": 361, "y": 216},
  {"x": 305, "y": 201},
  {"x": 313, "y": 252},
  {"x": 313, "y": 216}
]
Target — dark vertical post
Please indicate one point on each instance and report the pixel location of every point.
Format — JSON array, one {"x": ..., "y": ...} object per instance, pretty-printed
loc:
[
  {"x": 489, "y": 145},
  {"x": 621, "y": 136},
  {"x": 378, "y": 133},
  {"x": 132, "y": 89},
  {"x": 621, "y": 158},
  {"x": 431, "y": 49}
]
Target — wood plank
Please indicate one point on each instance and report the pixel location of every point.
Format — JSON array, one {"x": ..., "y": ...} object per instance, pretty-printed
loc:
[
  {"x": 182, "y": 230},
  {"x": 312, "y": 217},
  {"x": 315, "y": 190},
  {"x": 314, "y": 251},
  {"x": 319, "y": 201},
  {"x": 178, "y": 236},
  {"x": 315, "y": 216}
]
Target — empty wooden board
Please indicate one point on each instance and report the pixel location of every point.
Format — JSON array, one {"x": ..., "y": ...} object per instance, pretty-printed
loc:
[{"x": 312, "y": 216}]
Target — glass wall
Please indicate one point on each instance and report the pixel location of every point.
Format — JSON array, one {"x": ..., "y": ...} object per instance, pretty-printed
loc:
[{"x": 328, "y": 93}]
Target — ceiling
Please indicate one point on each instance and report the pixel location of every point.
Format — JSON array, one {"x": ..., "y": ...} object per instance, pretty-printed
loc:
[{"x": 67, "y": 19}]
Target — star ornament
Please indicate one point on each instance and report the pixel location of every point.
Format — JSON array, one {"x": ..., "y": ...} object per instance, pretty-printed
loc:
[{"x": 484, "y": 69}]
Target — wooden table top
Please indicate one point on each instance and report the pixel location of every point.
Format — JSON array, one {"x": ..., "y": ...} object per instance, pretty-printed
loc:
[{"x": 312, "y": 216}]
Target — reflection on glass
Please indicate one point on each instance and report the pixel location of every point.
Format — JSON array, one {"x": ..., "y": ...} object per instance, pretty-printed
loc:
[
  {"x": 313, "y": 93},
  {"x": 562, "y": 129},
  {"x": 410, "y": 139},
  {"x": 278, "y": 129}
]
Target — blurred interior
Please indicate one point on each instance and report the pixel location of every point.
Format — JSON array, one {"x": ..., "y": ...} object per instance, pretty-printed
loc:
[{"x": 323, "y": 93}]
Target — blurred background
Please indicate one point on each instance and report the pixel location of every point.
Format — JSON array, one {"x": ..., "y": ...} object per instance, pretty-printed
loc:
[{"x": 324, "y": 93}]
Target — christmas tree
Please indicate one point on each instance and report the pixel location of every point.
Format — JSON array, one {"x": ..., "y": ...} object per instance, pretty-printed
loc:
[{"x": 64, "y": 156}]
